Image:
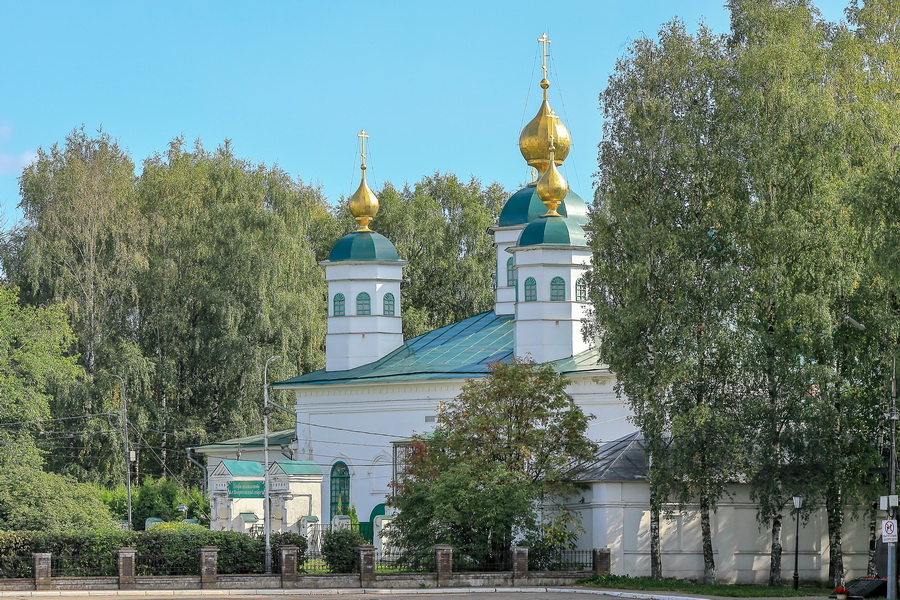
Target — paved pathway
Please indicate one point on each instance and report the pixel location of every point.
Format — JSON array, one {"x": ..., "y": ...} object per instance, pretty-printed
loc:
[{"x": 526, "y": 593}]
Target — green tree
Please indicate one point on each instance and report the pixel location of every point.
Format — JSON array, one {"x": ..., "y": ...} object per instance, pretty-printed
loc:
[
  {"x": 495, "y": 468},
  {"x": 665, "y": 282},
  {"x": 232, "y": 279},
  {"x": 82, "y": 245}
]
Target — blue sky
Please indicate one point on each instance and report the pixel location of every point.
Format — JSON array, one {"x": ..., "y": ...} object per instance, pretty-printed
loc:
[{"x": 439, "y": 86}]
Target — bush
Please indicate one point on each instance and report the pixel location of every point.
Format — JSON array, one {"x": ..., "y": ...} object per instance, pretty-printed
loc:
[{"x": 339, "y": 549}]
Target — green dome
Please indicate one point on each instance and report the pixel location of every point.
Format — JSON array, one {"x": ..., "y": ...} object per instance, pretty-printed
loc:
[
  {"x": 524, "y": 207},
  {"x": 553, "y": 231},
  {"x": 363, "y": 245}
]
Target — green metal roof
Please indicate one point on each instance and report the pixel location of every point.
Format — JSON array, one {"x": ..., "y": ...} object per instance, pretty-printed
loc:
[
  {"x": 461, "y": 350},
  {"x": 249, "y": 517},
  {"x": 363, "y": 246},
  {"x": 276, "y": 439},
  {"x": 243, "y": 468},
  {"x": 553, "y": 231},
  {"x": 524, "y": 207},
  {"x": 298, "y": 467}
]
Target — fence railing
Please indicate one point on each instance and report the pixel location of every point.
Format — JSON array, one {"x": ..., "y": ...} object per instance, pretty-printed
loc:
[
  {"x": 289, "y": 562},
  {"x": 17, "y": 567},
  {"x": 395, "y": 561},
  {"x": 561, "y": 560},
  {"x": 166, "y": 564},
  {"x": 83, "y": 566},
  {"x": 485, "y": 561}
]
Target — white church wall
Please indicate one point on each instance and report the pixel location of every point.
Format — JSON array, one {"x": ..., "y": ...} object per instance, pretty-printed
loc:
[
  {"x": 618, "y": 517},
  {"x": 356, "y": 423}
]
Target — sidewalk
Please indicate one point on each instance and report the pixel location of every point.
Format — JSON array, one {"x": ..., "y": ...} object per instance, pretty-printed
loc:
[{"x": 628, "y": 594}]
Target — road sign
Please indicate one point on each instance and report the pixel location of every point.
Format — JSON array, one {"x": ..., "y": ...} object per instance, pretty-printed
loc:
[
  {"x": 246, "y": 489},
  {"x": 889, "y": 531}
]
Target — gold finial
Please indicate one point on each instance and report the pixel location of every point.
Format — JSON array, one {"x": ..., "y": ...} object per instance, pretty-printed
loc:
[
  {"x": 552, "y": 186},
  {"x": 363, "y": 202},
  {"x": 533, "y": 139}
]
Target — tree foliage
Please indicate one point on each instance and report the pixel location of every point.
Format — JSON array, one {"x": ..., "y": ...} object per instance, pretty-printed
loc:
[
  {"x": 495, "y": 467},
  {"x": 727, "y": 252}
]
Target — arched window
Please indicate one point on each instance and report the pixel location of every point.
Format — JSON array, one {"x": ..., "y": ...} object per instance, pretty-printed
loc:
[
  {"x": 339, "y": 305},
  {"x": 340, "y": 489},
  {"x": 557, "y": 289},
  {"x": 581, "y": 290},
  {"x": 510, "y": 273},
  {"x": 389, "y": 304},
  {"x": 363, "y": 304},
  {"x": 530, "y": 290}
]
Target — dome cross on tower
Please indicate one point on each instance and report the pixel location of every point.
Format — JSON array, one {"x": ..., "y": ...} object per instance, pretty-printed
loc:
[
  {"x": 544, "y": 40},
  {"x": 533, "y": 141},
  {"x": 363, "y": 202}
]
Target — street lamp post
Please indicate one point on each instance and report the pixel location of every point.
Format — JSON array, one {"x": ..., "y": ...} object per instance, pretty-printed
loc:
[
  {"x": 127, "y": 449},
  {"x": 798, "y": 504},
  {"x": 891, "y": 415},
  {"x": 267, "y": 525}
]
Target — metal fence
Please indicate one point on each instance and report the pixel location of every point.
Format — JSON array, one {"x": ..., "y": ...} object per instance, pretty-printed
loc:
[
  {"x": 84, "y": 566},
  {"x": 166, "y": 564},
  {"x": 560, "y": 560},
  {"x": 17, "y": 567},
  {"x": 394, "y": 561},
  {"x": 478, "y": 562},
  {"x": 313, "y": 563}
]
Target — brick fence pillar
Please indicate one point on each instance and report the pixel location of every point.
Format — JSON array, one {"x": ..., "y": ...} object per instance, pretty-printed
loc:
[
  {"x": 443, "y": 564},
  {"x": 601, "y": 560},
  {"x": 519, "y": 564},
  {"x": 288, "y": 565},
  {"x": 41, "y": 570},
  {"x": 366, "y": 565},
  {"x": 209, "y": 555},
  {"x": 125, "y": 561}
]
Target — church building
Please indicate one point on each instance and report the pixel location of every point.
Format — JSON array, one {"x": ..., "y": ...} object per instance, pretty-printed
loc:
[{"x": 377, "y": 389}]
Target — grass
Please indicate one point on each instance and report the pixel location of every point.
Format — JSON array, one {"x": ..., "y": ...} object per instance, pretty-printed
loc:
[{"x": 624, "y": 582}]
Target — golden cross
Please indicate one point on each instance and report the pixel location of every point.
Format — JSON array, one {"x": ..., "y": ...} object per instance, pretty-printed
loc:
[
  {"x": 544, "y": 40},
  {"x": 362, "y": 136}
]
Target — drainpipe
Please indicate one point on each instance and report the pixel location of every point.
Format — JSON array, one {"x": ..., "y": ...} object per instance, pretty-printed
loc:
[{"x": 202, "y": 468}]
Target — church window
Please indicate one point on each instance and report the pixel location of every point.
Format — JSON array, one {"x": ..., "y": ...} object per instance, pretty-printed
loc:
[
  {"x": 510, "y": 273},
  {"x": 581, "y": 290},
  {"x": 363, "y": 304},
  {"x": 340, "y": 489},
  {"x": 557, "y": 289},
  {"x": 389, "y": 304},
  {"x": 339, "y": 305},
  {"x": 530, "y": 290}
]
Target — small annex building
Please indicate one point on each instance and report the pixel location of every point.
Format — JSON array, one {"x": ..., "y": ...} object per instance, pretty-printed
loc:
[
  {"x": 355, "y": 416},
  {"x": 236, "y": 491}
]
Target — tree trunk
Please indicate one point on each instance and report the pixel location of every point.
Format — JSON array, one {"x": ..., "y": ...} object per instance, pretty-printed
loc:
[
  {"x": 655, "y": 542},
  {"x": 709, "y": 561},
  {"x": 871, "y": 567},
  {"x": 835, "y": 509},
  {"x": 776, "y": 552}
]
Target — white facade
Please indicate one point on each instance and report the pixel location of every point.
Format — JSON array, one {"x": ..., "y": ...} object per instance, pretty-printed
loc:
[
  {"x": 616, "y": 515},
  {"x": 548, "y": 330},
  {"x": 355, "y": 339},
  {"x": 504, "y": 293}
]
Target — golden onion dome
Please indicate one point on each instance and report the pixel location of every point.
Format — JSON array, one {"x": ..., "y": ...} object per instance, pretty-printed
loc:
[
  {"x": 363, "y": 202},
  {"x": 552, "y": 186},
  {"x": 536, "y": 136}
]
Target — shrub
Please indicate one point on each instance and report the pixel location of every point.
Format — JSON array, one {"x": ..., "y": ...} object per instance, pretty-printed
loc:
[{"x": 339, "y": 549}]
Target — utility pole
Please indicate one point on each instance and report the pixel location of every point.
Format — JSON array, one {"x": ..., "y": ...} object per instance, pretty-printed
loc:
[
  {"x": 267, "y": 519},
  {"x": 124, "y": 414}
]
